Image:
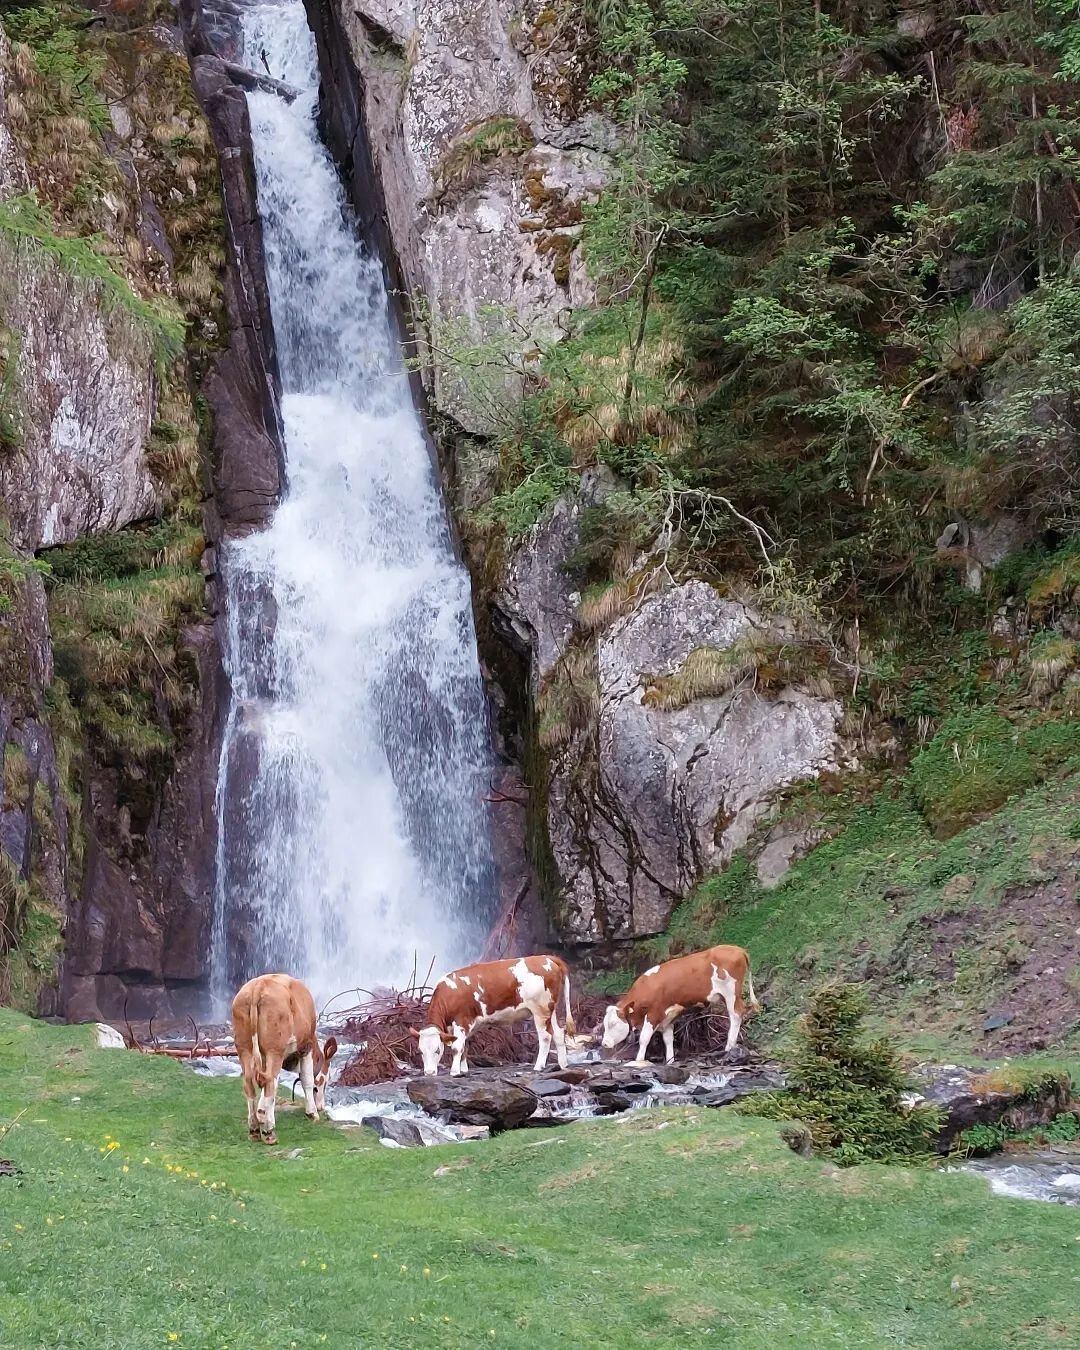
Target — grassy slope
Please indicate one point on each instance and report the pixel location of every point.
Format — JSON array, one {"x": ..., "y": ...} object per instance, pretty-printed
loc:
[
  {"x": 603, "y": 1234},
  {"x": 947, "y": 931}
]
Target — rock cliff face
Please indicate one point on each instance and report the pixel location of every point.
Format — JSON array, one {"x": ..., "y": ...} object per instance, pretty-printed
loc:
[
  {"x": 107, "y": 827},
  {"x": 483, "y": 162},
  {"x": 482, "y": 166},
  {"x": 645, "y": 795}
]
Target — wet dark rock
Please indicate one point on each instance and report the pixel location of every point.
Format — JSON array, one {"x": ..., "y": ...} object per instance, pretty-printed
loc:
[
  {"x": 612, "y": 1103},
  {"x": 670, "y": 1073},
  {"x": 496, "y": 1103},
  {"x": 737, "y": 1056},
  {"x": 968, "y": 1097},
  {"x": 138, "y": 934},
  {"x": 629, "y": 1080},
  {"x": 549, "y": 1087},
  {"x": 574, "y": 1074},
  {"x": 242, "y": 388},
  {"x": 720, "y": 1096}
]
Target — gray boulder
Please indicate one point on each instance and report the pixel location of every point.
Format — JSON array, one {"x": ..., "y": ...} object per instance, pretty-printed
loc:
[{"x": 496, "y": 1103}]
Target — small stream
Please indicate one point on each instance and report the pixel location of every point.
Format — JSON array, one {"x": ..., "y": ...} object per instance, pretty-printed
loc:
[{"x": 1051, "y": 1175}]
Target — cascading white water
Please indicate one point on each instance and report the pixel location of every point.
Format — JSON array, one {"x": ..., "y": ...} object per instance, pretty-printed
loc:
[{"x": 352, "y": 831}]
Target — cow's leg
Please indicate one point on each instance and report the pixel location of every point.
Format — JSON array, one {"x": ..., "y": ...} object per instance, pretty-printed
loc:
[
  {"x": 251, "y": 1092},
  {"x": 307, "y": 1081},
  {"x": 559, "y": 1033},
  {"x": 647, "y": 1030},
  {"x": 735, "y": 1010},
  {"x": 460, "y": 1064},
  {"x": 266, "y": 1110},
  {"x": 543, "y": 1037},
  {"x": 669, "y": 1041}
]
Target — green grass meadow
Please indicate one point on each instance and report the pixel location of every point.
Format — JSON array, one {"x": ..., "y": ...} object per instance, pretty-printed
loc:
[{"x": 143, "y": 1217}]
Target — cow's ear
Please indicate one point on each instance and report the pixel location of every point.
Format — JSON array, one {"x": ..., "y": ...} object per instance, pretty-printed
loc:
[
  {"x": 330, "y": 1049},
  {"x": 448, "y": 1039},
  {"x": 414, "y": 1033}
]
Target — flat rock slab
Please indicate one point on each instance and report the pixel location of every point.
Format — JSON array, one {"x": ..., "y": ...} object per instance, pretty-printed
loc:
[
  {"x": 408, "y": 1133},
  {"x": 470, "y": 1100},
  {"x": 549, "y": 1087}
]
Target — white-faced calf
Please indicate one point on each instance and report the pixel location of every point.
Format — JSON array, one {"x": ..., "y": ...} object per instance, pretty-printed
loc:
[
  {"x": 498, "y": 991},
  {"x": 274, "y": 1020},
  {"x": 656, "y": 998}
]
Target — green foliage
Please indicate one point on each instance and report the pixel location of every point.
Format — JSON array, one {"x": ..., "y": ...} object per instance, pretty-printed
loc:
[
  {"x": 117, "y": 604},
  {"x": 25, "y": 222},
  {"x": 30, "y": 941},
  {"x": 10, "y": 412},
  {"x": 980, "y": 1141},
  {"x": 123, "y": 553},
  {"x": 491, "y": 139},
  {"x": 848, "y": 1089},
  {"x": 54, "y": 33},
  {"x": 979, "y": 759}
]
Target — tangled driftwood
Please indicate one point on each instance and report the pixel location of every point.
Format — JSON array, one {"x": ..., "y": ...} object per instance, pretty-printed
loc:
[{"x": 201, "y": 1046}]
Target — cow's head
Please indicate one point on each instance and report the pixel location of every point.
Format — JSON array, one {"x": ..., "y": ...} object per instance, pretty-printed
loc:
[
  {"x": 616, "y": 1028},
  {"x": 432, "y": 1041},
  {"x": 322, "y": 1070}
]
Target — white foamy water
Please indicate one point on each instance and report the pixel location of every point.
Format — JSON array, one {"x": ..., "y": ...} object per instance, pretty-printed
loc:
[{"x": 353, "y": 836}]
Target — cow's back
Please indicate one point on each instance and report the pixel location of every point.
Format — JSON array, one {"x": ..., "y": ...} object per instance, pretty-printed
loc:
[
  {"x": 277, "y": 1011},
  {"x": 684, "y": 980}
]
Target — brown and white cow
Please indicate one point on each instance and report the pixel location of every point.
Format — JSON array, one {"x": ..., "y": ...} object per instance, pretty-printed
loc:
[
  {"x": 273, "y": 1020},
  {"x": 497, "y": 991},
  {"x": 656, "y": 998}
]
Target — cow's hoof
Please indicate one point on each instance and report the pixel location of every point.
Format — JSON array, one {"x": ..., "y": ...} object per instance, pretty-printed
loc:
[
  {"x": 254, "y": 1132},
  {"x": 312, "y": 1115},
  {"x": 268, "y": 1138}
]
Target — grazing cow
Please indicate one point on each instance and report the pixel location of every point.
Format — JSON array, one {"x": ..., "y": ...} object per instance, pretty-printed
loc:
[
  {"x": 273, "y": 1020},
  {"x": 656, "y": 998},
  {"x": 497, "y": 991}
]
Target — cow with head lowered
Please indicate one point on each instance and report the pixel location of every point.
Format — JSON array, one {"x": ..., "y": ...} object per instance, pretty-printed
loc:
[
  {"x": 656, "y": 999},
  {"x": 274, "y": 1027},
  {"x": 498, "y": 991}
]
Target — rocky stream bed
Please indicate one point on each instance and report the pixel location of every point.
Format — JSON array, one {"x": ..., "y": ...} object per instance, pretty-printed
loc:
[{"x": 417, "y": 1111}]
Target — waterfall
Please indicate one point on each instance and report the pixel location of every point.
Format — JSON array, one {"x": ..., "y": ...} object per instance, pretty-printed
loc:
[{"x": 352, "y": 832}]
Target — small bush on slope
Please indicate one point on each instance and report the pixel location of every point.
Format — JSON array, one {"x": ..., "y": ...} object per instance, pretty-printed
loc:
[{"x": 848, "y": 1089}]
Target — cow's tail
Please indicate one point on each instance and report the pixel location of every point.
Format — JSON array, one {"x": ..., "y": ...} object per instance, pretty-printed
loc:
[
  {"x": 256, "y": 1048},
  {"x": 750, "y": 987},
  {"x": 571, "y": 1028}
]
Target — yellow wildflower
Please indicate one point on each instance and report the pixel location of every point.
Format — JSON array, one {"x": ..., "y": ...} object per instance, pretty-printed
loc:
[
  {"x": 125, "y": 1168},
  {"x": 427, "y": 1270},
  {"x": 322, "y": 1265}
]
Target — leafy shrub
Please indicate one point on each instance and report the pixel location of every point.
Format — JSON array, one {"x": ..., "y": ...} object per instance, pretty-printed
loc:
[
  {"x": 849, "y": 1090},
  {"x": 979, "y": 1141}
]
